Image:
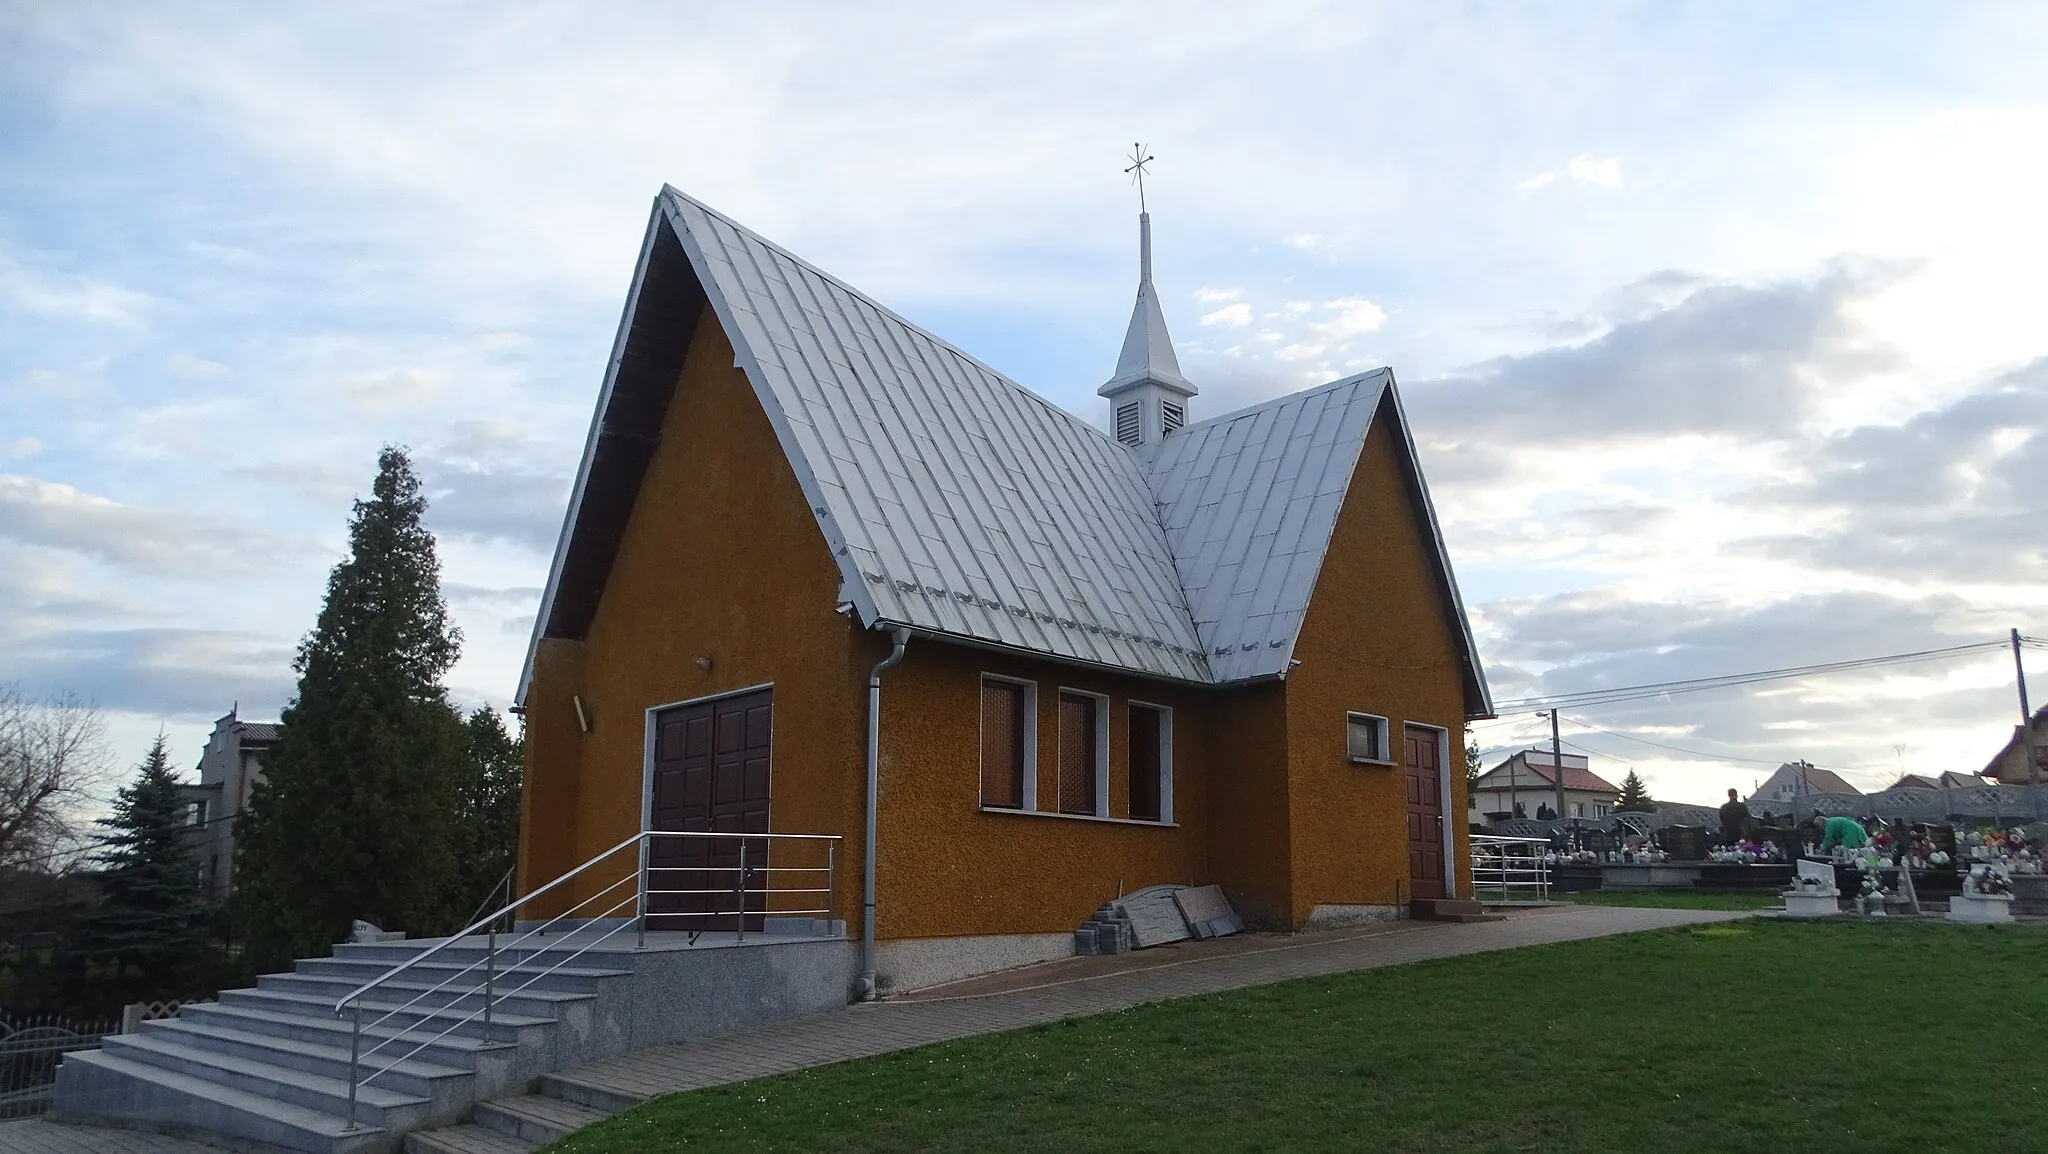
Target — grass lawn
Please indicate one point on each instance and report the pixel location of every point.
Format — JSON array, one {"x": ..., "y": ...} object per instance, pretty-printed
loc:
[
  {"x": 1679, "y": 900},
  {"x": 1746, "y": 1036}
]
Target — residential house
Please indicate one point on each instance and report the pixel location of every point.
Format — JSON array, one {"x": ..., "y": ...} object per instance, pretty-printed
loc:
[
  {"x": 2010, "y": 766},
  {"x": 1798, "y": 779},
  {"x": 1518, "y": 786},
  {"x": 1948, "y": 779},
  {"x": 229, "y": 768},
  {"x": 1226, "y": 650}
]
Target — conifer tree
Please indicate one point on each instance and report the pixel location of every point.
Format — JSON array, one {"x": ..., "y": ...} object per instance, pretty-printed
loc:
[
  {"x": 490, "y": 804},
  {"x": 1635, "y": 796},
  {"x": 153, "y": 908},
  {"x": 357, "y": 816}
]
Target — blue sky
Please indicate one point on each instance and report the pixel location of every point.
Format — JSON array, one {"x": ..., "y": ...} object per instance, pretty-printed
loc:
[{"x": 1720, "y": 322}]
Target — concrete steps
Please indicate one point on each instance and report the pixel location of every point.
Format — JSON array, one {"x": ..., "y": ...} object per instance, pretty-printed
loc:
[
  {"x": 1450, "y": 910},
  {"x": 519, "y": 1123},
  {"x": 270, "y": 1066}
]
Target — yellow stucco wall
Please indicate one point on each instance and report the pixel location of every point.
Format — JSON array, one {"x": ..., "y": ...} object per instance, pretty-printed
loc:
[
  {"x": 946, "y": 867},
  {"x": 722, "y": 559},
  {"x": 1378, "y": 639}
]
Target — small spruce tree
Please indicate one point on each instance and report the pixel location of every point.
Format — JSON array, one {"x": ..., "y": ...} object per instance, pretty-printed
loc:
[
  {"x": 359, "y": 811},
  {"x": 1635, "y": 796},
  {"x": 153, "y": 910}
]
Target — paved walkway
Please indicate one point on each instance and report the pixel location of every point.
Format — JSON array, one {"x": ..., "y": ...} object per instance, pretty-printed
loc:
[
  {"x": 36, "y": 1136},
  {"x": 999, "y": 1002},
  {"x": 1042, "y": 995}
]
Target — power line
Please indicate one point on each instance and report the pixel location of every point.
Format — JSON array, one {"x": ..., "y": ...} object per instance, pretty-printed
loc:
[
  {"x": 1672, "y": 748},
  {"x": 1622, "y": 693}
]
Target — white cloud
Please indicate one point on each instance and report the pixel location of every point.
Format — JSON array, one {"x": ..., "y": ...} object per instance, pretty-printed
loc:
[
  {"x": 1303, "y": 240},
  {"x": 22, "y": 448},
  {"x": 1355, "y": 317},
  {"x": 154, "y": 541},
  {"x": 1537, "y": 181},
  {"x": 398, "y": 389},
  {"x": 1212, "y": 296},
  {"x": 1235, "y": 316},
  {"x": 193, "y": 368},
  {"x": 1602, "y": 172},
  {"x": 68, "y": 296}
]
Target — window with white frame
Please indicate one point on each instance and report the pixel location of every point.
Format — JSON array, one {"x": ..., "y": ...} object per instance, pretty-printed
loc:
[
  {"x": 1084, "y": 747},
  {"x": 1009, "y": 743},
  {"x": 1366, "y": 738},
  {"x": 1149, "y": 756}
]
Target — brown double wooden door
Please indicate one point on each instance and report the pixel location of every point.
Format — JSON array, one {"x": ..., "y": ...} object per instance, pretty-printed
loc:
[
  {"x": 711, "y": 772},
  {"x": 1423, "y": 769}
]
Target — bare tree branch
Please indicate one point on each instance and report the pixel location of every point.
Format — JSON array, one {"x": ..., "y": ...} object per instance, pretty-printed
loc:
[{"x": 53, "y": 761}]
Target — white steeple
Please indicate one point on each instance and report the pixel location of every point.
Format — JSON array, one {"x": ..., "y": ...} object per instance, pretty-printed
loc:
[{"x": 1148, "y": 397}]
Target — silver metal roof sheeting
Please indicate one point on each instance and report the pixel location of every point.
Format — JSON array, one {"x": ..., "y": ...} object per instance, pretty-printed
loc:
[
  {"x": 1249, "y": 501},
  {"x": 954, "y": 500},
  {"x": 957, "y": 502}
]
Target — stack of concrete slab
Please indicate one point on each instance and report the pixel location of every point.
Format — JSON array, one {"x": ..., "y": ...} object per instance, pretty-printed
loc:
[{"x": 1155, "y": 916}]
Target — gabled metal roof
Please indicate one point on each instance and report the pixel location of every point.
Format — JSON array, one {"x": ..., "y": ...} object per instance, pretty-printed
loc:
[
  {"x": 1249, "y": 501},
  {"x": 959, "y": 503}
]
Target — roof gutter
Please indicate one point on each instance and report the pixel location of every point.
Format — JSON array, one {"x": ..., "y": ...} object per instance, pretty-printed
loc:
[{"x": 900, "y": 638}]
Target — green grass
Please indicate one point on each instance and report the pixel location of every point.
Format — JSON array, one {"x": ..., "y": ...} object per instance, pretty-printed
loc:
[
  {"x": 1678, "y": 900},
  {"x": 1744, "y": 1036}
]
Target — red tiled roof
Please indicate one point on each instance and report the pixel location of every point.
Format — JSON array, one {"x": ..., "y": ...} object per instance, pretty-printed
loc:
[{"x": 1575, "y": 778}]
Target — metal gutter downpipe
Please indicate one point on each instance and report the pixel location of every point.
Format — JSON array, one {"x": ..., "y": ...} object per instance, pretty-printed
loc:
[{"x": 901, "y": 637}]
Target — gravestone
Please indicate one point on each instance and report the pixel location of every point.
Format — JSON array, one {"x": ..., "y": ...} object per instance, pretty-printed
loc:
[
  {"x": 1684, "y": 842},
  {"x": 1803, "y": 901}
]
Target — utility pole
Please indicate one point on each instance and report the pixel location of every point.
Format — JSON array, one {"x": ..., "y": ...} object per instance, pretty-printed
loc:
[
  {"x": 1557, "y": 763},
  {"x": 2026, "y": 712}
]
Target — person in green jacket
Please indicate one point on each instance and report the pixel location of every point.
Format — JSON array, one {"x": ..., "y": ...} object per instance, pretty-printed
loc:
[{"x": 1842, "y": 831}]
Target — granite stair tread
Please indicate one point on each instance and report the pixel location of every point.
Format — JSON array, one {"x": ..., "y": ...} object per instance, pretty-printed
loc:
[
  {"x": 468, "y": 1138},
  {"x": 326, "y": 1130},
  {"x": 567, "y": 1117},
  {"x": 275, "y": 1043},
  {"x": 313, "y": 1005},
  {"x": 147, "y": 1049},
  {"x": 257, "y": 1015}
]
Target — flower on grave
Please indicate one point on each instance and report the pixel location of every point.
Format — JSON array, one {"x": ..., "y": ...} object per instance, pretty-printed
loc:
[{"x": 1990, "y": 881}]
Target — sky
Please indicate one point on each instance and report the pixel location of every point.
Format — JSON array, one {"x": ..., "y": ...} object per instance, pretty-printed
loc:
[{"x": 1719, "y": 324}]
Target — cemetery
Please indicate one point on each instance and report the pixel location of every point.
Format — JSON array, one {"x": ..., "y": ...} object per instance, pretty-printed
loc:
[{"x": 1974, "y": 855}]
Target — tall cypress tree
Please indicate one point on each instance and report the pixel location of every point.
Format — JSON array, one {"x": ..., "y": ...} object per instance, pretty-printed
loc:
[
  {"x": 357, "y": 814},
  {"x": 153, "y": 910}
]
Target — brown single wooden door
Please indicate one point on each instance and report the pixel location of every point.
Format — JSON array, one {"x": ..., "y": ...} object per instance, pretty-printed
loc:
[
  {"x": 711, "y": 772},
  {"x": 1423, "y": 770}
]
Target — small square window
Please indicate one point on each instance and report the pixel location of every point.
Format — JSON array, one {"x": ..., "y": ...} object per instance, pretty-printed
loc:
[{"x": 1366, "y": 738}]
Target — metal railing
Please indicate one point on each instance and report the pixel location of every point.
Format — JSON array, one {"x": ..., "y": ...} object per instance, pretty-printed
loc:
[
  {"x": 1511, "y": 867},
  {"x": 700, "y": 901},
  {"x": 30, "y": 1049}
]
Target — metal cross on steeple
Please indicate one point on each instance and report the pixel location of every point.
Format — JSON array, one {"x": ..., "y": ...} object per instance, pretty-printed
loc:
[{"x": 1139, "y": 159}]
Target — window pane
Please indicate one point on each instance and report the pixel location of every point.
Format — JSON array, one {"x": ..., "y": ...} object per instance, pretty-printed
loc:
[
  {"x": 1077, "y": 754},
  {"x": 1002, "y": 744},
  {"x": 1146, "y": 766}
]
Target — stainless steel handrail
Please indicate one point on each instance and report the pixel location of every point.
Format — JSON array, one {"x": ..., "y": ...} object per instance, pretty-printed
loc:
[
  {"x": 1494, "y": 867},
  {"x": 351, "y": 1004}
]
